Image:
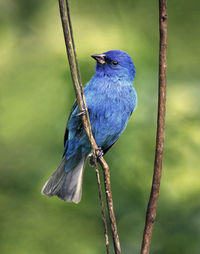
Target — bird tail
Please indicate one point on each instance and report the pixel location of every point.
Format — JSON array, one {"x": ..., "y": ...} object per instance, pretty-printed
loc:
[{"x": 66, "y": 185}]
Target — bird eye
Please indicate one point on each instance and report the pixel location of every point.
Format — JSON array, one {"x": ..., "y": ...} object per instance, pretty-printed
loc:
[{"x": 114, "y": 63}]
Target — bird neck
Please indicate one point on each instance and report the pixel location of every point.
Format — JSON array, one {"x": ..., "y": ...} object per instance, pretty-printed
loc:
[{"x": 109, "y": 77}]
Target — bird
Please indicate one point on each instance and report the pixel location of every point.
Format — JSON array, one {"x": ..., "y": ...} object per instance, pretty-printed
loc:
[{"x": 111, "y": 100}]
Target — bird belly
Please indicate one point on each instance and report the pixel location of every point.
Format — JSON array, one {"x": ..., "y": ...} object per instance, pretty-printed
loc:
[{"x": 109, "y": 122}]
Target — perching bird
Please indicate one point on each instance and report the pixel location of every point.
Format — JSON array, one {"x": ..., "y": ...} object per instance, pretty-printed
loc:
[{"x": 111, "y": 99}]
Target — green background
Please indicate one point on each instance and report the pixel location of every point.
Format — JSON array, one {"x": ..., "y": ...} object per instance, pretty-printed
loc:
[{"x": 36, "y": 95}]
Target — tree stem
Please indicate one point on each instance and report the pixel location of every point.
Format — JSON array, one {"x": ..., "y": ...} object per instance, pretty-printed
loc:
[
  {"x": 153, "y": 201},
  {"x": 102, "y": 208}
]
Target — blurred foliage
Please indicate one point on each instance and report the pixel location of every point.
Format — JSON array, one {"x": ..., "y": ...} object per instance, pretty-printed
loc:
[{"x": 36, "y": 95}]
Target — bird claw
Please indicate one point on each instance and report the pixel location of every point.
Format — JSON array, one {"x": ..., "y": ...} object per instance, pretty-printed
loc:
[
  {"x": 81, "y": 113},
  {"x": 100, "y": 152},
  {"x": 92, "y": 158}
]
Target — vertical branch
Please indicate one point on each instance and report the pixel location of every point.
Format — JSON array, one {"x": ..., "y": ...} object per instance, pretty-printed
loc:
[
  {"x": 152, "y": 205},
  {"x": 69, "y": 50},
  {"x": 102, "y": 207},
  {"x": 115, "y": 236},
  {"x": 73, "y": 43},
  {"x": 70, "y": 47}
]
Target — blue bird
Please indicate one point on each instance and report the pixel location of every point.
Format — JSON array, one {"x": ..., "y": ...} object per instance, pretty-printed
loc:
[{"x": 110, "y": 99}]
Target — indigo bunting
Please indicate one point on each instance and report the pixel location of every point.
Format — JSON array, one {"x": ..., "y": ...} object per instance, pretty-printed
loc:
[{"x": 111, "y": 99}]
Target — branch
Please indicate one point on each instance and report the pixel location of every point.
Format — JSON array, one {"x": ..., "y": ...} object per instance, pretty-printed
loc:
[
  {"x": 152, "y": 205},
  {"x": 102, "y": 207},
  {"x": 66, "y": 23}
]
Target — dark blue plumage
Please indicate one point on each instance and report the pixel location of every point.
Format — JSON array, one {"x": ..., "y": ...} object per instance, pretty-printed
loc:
[{"x": 110, "y": 99}]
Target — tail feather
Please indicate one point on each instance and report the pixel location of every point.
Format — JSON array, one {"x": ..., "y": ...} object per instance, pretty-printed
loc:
[{"x": 66, "y": 185}]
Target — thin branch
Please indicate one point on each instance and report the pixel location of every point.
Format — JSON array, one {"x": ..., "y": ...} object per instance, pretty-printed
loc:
[
  {"x": 152, "y": 205},
  {"x": 86, "y": 123},
  {"x": 73, "y": 43},
  {"x": 106, "y": 173},
  {"x": 70, "y": 55},
  {"x": 102, "y": 207}
]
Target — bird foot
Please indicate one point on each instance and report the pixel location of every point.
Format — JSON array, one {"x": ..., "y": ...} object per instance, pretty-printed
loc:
[
  {"x": 81, "y": 113},
  {"x": 100, "y": 152},
  {"x": 92, "y": 159}
]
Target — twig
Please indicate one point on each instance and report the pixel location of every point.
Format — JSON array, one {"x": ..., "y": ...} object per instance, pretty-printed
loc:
[
  {"x": 73, "y": 43},
  {"x": 86, "y": 123},
  {"x": 152, "y": 205},
  {"x": 102, "y": 208},
  {"x": 106, "y": 173}
]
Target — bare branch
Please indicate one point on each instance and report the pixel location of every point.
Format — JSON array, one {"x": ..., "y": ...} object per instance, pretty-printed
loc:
[
  {"x": 152, "y": 205},
  {"x": 85, "y": 118},
  {"x": 106, "y": 173},
  {"x": 102, "y": 207},
  {"x": 73, "y": 43}
]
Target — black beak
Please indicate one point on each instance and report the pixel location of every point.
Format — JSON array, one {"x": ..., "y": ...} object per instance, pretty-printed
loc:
[{"x": 101, "y": 58}]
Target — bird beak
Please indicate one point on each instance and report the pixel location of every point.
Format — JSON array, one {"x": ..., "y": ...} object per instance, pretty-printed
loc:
[{"x": 101, "y": 58}]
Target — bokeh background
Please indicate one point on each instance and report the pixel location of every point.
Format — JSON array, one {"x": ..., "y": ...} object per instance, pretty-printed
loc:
[{"x": 36, "y": 95}]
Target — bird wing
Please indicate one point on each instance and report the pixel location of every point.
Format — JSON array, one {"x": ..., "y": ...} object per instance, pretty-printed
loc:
[
  {"x": 79, "y": 125},
  {"x": 66, "y": 129}
]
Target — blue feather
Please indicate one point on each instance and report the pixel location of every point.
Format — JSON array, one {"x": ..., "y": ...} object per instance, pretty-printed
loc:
[{"x": 110, "y": 99}]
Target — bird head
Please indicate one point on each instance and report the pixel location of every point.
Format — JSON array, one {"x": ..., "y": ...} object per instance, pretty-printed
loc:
[{"x": 115, "y": 63}]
